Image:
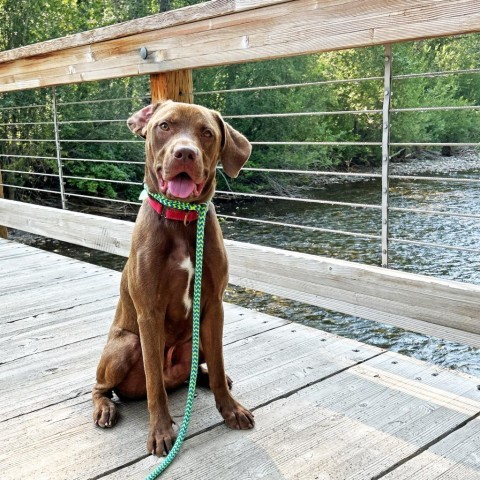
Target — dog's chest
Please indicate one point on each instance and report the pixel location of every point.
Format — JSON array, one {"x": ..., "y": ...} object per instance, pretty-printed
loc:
[{"x": 186, "y": 266}]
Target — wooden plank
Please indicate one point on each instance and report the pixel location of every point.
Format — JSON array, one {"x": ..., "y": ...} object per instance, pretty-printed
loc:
[
  {"x": 355, "y": 289},
  {"x": 49, "y": 331},
  {"x": 35, "y": 261},
  {"x": 356, "y": 310},
  {"x": 68, "y": 371},
  {"x": 270, "y": 31},
  {"x": 49, "y": 298},
  {"x": 353, "y": 425},
  {"x": 31, "y": 279},
  {"x": 375, "y": 411},
  {"x": 455, "y": 457},
  {"x": 91, "y": 231},
  {"x": 440, "y": 308},
  {"x": 172, "y": 18},
  {"x": 60, "y": 434}
]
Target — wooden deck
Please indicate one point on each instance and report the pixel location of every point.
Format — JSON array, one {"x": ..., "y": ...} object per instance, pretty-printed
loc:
[{"x": 326, "y": 407}]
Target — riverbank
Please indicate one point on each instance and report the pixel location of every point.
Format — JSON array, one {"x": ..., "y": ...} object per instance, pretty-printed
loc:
[{"x": 464, "y": 162}]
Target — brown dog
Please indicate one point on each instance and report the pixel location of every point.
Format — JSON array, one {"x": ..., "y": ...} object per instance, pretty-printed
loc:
[{"x": 149, "y": 344}]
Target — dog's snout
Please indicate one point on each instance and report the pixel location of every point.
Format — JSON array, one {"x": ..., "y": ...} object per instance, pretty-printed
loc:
[{"x": 185, "y": 153}]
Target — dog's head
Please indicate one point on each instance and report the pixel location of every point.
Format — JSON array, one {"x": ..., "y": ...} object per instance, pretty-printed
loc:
[{"x": 183, "y": 145}]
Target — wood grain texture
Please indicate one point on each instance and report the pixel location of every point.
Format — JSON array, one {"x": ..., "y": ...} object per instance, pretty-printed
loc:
[
  {"x": 353, "y": 425},
  {"x": 455, "y": 457},
  {"x": 172, "y": 18},
  {"x": 91, "y": 231},
  {"x": 259, "y": 31},
  {"x": 440, "y": 308},
  {"x": 50, "y": 418},
  {"x": 325, "y": 407},
  {"x": 176, "y": 86}
]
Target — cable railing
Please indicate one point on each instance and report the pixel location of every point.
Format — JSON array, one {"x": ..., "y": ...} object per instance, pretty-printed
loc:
[{"x": 69, "y": 180}]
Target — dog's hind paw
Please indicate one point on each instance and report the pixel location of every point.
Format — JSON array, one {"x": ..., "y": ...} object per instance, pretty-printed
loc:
[{"x": 105, "y": 414}]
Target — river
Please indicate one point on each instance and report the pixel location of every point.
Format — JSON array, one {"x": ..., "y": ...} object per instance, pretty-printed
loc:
[{"x": 461, "y": 266}]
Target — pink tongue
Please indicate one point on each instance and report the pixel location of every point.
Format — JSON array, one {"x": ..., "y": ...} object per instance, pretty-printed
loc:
[{"x": 181, "y": 186}]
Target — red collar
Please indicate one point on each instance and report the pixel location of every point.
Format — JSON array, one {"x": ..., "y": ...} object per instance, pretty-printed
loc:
[{"x": 173, "y": 214}]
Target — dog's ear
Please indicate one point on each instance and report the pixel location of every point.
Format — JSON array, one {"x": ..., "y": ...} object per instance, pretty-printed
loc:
[
  {"x": 137, "y": 123},
  {"x": 236, "y": 149}
]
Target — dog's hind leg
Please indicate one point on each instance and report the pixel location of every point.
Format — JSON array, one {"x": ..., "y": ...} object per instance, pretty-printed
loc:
[
  {"x": 121, "y": 356},
  {"x": 121, "y": 365}
]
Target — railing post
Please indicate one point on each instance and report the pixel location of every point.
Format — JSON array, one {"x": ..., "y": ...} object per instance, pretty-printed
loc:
[
  {"x": 387, "y": 94},
  {"x": 176, "y": 86},
  {"x": 3, "y": 230},
  {"x": 58, "y": 152}
]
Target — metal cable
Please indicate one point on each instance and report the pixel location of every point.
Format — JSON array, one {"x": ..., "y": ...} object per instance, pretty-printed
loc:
[
  {"x": 13, "y": 140},
  {"x": 79, "y": 140},
  {"x": 97, "y": 160},
  {"x": 435, "y": 74},
  {"x": 101, "y": 198},
  {"x": 26, "y": 156},
  {"x": 342, "y": 81},
  {"x": 434, "y": 144},
  {"x": 434, "y": 245},
  {"x": 23, "y": 106},
  {"x": 434, "y": 109},
  {"x": 320, "y": 143},
  {"x": 22, "y": 172},
  {"x": 433, "y": 212},
  {"x": 29, "y": 188},
  {"x": 296, "y": 199},
  {"x": 104, "y": 100},
  {"x": 275, "y": 115},
  {"x": 302, "y": 227},
  {"x": 102, "y": 180},
  {"x": 25, "y": 123},
  {"x": 68, "y": 122},
  {"x": 289, "y": 85},
  {"x": 303, "y": 114}
]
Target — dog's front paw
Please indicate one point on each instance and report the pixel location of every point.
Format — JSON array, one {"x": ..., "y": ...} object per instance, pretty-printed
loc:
[
  {"x": 105, "y": 413},
  {"x": 236, "y": 416},
  {"x": 161, "y": 439}
]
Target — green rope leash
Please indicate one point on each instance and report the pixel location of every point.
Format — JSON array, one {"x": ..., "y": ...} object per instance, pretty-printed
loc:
[{"x": 197, "y": 291}]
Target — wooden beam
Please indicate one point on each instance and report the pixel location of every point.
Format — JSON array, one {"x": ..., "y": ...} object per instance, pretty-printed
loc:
[
  {"x": 92, "y": 231},
  {"x": 255, "y": 31},
  {"x": 428, "y": 305},
  {"x": 180, "y": 16},
  {"x": 176, "y": 86}
]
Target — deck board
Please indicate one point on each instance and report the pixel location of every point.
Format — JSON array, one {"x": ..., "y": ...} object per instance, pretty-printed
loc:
[
  {"x": 326, "y": 407},
  {"x": 455, "y": 457}
]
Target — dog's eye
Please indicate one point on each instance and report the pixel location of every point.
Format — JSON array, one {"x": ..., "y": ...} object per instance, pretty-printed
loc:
[
  {"x": 207, "y": 133},
  {"x": 164, "y": 126}
]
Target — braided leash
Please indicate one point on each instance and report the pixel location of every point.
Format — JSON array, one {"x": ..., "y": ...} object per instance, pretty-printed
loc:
[{"x": 197, "y": 291}]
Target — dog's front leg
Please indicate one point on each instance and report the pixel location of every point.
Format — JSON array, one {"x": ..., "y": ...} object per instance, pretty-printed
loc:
[
  {"x": 161, "y": 436},
  {"x": 211, "y": 332}
]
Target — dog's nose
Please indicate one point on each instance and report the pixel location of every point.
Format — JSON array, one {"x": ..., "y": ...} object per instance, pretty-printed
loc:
[{"x": 185, "y": 153}]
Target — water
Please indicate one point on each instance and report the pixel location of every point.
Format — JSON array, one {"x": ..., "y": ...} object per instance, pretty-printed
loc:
[{"x": 441, "y": 263}]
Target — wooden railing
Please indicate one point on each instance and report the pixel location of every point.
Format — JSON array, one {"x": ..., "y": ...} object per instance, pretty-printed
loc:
[{"x": 224, "y": 32}]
